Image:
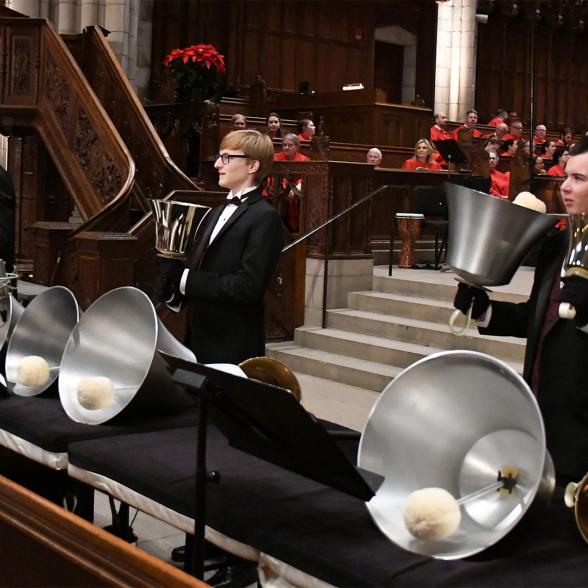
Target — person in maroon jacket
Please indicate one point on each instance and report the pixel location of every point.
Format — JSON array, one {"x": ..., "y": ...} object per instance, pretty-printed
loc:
[{"x": 556, "y": 350}]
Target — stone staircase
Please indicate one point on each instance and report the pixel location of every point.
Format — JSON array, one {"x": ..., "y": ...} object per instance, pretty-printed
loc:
[{"x": 403, "y": 319}]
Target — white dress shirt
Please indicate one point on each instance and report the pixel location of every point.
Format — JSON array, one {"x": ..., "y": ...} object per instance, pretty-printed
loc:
[{"x": 220, "y": 223}]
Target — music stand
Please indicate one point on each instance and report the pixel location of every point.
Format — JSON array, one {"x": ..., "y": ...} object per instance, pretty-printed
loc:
[
  {"x": 268, "y": 422},
  {"x": 451, "y": 151}
]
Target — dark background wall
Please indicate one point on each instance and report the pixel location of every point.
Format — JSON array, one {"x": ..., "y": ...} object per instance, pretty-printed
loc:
[
  {"x": 561, "y": 62},
  {"x": 328, "y": 43}
]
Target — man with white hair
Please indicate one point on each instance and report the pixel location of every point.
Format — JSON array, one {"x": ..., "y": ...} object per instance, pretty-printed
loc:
[{"x": 374, "y": 156}]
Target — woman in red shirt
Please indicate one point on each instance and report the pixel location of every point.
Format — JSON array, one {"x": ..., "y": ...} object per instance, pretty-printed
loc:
[
  {"x": 423, "y": 158},
  {"x": 559, "y": 169},
  {"x": 549, "y": 148}
]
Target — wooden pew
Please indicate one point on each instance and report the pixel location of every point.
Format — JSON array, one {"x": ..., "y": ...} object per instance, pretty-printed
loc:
[{"x": 44, "y": 545}]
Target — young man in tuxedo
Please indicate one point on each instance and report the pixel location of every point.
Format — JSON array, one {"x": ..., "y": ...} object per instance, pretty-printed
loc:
[
  {"x": 557, "y": 349},
  {"x": 234, "y": 260},
  {"x": 225, "y": 283}
]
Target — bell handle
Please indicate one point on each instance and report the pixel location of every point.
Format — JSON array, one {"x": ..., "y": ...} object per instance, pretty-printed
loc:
[
  {"x": 570, "y": 494},
  {"x": 566, "y": 310},
  {"x": 453, "y": 319}
]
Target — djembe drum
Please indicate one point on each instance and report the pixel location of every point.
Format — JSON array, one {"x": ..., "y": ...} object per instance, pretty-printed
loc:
[{"x": 409, "y": 228}]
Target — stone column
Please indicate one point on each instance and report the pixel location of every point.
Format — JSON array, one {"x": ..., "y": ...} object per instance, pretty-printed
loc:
[
  {"x": 455, "y": 78},
  {"x": 129, "y": 23}
]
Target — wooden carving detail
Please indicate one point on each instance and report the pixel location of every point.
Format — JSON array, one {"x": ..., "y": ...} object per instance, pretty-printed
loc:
[
  {"x": 95, "y": 161},
  {"x": 21, "y": 70},
  {"x": 58, "y": 93}
]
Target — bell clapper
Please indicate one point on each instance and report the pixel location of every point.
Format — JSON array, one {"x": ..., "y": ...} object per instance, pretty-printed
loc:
[{"x": 506, "y": 482}]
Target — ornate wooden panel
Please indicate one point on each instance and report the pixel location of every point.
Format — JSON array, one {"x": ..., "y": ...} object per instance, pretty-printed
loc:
[{"x": 22, "y": 65}]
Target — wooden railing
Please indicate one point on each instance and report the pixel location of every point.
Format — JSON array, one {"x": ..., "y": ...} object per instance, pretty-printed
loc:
[
  {"x": 44, "y": 545},
  {"x": 156, "y": 173}
]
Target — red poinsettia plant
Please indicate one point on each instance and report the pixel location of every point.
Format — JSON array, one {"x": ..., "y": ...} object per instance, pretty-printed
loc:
[{"x": 197, "y": 71}]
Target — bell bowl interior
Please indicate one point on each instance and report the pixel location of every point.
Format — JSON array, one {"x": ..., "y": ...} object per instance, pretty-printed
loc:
[
  {"x": 116, "y": 338},
  {"x": 453, "y": 420},
  {"x": 43, "y": 330}
]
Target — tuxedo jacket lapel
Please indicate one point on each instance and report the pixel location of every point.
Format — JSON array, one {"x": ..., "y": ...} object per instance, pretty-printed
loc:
[
  {"x": 203, "y": 244},
  {"x": 232, "y": 219},
  {"x": 252, "y": 197}
]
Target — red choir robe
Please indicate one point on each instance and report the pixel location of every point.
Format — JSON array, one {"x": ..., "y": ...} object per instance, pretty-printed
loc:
[
  {"x": 499, "y": 183},
  {"x": 495, "y": 121},
  {"x": 412, "y": 164},
  {"x": 293, "y": 211},
  {"x": 438, "y": 134},
  {"x": 509, "y": 137},
  {"x": 556, "y": 170},
  {"x": 475, "y": 133}
]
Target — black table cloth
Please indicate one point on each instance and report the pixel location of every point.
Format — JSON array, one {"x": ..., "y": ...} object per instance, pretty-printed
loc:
[{"x": 321, "y": 531}]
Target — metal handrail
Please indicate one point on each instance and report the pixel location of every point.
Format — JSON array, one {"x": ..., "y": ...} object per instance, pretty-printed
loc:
[
  {"x": 334, "y": 218},
  {"x": 327, "y": 224}
]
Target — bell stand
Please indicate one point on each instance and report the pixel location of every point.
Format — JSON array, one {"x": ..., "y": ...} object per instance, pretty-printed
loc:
[{"x": 268, "y": 422}]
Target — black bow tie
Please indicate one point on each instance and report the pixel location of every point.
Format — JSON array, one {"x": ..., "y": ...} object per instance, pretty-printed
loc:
[{"x": 234, "y": 200}]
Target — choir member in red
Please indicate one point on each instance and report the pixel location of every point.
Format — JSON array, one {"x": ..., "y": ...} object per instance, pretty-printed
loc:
[
  {"x": 374, "y": 156},
  {"x": 539, "y": 137},
  {"x": 470, "y": 124},
  {"x": 548, "y": 150},
  {"x": 539, "y": 167},
  {"x": 561, "y": 159},
  {"x": 290, "y": 147},
  {"x": 274, "y": 125},
  {"x": 439, "y": 130},
  {"x": 307, "y": 129},
  {"x": 501, "y": 130},
  {"x": 566, "y": 138},
  {"x": 516, "y": 131},
  {"x": 499, "y": 182},
  {"x": 500, "y": 116},
  {"x": 423, "y": 158}
]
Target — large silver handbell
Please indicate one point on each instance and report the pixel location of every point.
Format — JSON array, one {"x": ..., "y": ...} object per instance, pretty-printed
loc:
[
  {"x": 176, "y": 223},
  {"x": 489, "y": 238},
  {"x": 576, "y": 262},
  {"x": 459, "y": 421},
  {"x": 112, "y": 361},
  {"x": 38, "y": 340}
]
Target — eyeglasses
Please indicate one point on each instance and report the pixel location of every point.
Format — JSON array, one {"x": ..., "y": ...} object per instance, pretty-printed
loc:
[{"x": 226, "y": 157}]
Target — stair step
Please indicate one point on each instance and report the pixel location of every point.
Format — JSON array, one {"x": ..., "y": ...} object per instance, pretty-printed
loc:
[
  {"x": 423, "y": 332},
  {"x": 366, "y": 347},
  {"x": 442, "y": 285},
  {"x": 416, "y": 307},
  {"x": 332, "y": 366}
]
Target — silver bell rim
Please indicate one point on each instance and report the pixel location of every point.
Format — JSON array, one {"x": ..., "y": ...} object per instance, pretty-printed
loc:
[
  {"x": 451, "y": 420},
  {"x": 42, "y": 330}
]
